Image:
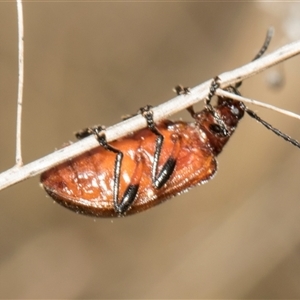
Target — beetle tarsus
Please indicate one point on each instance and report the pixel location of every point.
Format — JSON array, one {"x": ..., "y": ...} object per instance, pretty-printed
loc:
[{"x": 181, "y": 90}]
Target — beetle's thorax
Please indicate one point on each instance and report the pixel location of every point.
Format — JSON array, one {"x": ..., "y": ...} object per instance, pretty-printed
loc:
[{"x": 229, "y": 113}]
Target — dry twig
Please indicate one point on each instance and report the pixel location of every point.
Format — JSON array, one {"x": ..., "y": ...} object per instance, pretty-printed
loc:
[
  {"x": 162, "y": 111},
  {"x": 19, "y": 161}
]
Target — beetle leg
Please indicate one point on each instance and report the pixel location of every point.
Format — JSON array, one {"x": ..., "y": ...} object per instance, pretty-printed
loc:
[
  {"x": 181, "y": 90},
  {"x": 126, "y": 117},
  {"x": 81, "y": 134},
  {"x": 120, "y": 206},
  {"x": 215, "y": 84},
  {"x": 184, "y": 90},
  {"x": 159, "y": 179}
]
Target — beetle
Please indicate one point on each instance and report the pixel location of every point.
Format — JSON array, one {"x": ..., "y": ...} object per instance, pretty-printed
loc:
[
  {"x": 153, "y": 164},
  {"x": 91, "y": 183}
]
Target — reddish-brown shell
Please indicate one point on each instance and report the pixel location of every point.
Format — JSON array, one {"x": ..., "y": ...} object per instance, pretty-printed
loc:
[{"x": 85, "y": 183}]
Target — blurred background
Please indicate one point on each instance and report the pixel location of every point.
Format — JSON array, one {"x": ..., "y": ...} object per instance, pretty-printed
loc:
[{"x": 238, "y": 236}]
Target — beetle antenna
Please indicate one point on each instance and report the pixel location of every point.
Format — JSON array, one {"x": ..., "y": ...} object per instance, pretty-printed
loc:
[
  {"x": 262, "y": 50},
  {"x": 286, "y": 137},
  {"x": 266, "y": 44},
  {"x": 253, "y": 115},
  {"x": 215, "y": 85}
]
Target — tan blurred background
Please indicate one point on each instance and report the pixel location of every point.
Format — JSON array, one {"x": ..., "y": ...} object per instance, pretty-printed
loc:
[{"x": 86, "y": 63}]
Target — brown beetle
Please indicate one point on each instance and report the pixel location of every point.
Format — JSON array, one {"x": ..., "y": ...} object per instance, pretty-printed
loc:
[
  {"x": 86, "y": 184},
  {"x": 151, "y": 165}
]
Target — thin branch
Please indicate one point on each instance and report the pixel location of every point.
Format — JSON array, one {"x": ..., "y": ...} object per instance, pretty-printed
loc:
[
  {"x": 162, "y": 111},
  {"x": 19, "y": 161},
  {"x": 223, "y": 93}
]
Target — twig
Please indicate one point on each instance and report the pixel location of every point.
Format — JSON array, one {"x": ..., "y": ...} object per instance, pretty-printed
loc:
[
  {"x": 223, "y": 93},
  {"x": 19, "y": 161},
  {"x": 162, "y": 111}
]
